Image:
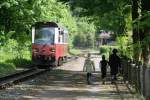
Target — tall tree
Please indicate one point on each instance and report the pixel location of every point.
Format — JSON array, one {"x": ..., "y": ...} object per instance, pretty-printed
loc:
[
  {"x": 141, "y": 35},
  {"x": 145, "y": 27},
  {"x": 19, "y": 15},
  {"x": 136, "y": 33}
]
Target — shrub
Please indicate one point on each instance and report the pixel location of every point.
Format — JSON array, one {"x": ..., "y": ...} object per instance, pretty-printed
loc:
[
  {"x": 6, "y": 68},
  {"x": 13, "y": 52},
  {"x": 106, "y": 50}
]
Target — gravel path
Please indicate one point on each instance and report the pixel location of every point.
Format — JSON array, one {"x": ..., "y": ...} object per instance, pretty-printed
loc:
[{"x": 68, "y": 82}]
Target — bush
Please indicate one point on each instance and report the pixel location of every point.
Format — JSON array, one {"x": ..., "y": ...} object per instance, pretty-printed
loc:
[
  {"x": 19, "y": 62},
  {"x": 6, "y": 68},
  {"x": 74, "y": 51},
  {"x": 13, "y": 52},
  {"x": 106, "y": 50}
]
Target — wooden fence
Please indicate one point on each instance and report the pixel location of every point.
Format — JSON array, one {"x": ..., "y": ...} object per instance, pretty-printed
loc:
[{"x": 138, "y": 75}]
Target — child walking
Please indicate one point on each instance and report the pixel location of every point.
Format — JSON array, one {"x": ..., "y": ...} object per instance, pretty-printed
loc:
[
  {"x": 103, "y": 67},
  {"x": 89, "y": 67}
]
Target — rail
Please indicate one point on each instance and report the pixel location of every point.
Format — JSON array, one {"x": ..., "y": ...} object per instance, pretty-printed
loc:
[
  {"x": 9, "y": 80},
  {"x": 18, "y": 77}
]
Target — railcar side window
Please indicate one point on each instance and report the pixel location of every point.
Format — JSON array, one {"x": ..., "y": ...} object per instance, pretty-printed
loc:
[
  {"x": 60, "y": 37},
  {"x": 62, "y": 33},
  {"x": 65, "y": 37}
]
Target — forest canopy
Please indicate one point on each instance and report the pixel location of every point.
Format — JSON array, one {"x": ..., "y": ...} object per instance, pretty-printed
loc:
[{"x": 83, "y": 19}]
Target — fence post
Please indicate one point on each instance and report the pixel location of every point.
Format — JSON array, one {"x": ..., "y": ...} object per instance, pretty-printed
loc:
[
  {"x": 138, "y": 77},
  {"x": 133, "y": 74},
  {"x": 144, "y": 68},
  {"x": 141, "y": 78},
  {"x": 147, "y": 83},
  {"x": 130, "y": 70},
  {"x": 125, "y": 69}
]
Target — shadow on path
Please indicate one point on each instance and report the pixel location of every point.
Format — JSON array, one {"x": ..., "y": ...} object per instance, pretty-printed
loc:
[
  {"x": 71, "y": 85},
  {"x": 66, "y": 85}
]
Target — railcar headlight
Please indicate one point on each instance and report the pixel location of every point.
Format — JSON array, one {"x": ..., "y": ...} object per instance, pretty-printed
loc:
[
  {"x": 35, "y": 50},
  {"x": 52, "y": 49}
]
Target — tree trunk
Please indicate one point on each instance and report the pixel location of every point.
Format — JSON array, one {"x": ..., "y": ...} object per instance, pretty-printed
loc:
[
  {"x": 135, "y": 35},
  {"x": 146, "y": 32}
]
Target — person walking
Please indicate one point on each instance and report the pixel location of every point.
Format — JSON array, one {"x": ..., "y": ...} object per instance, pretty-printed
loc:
[
  {"x": 115, "y": 64},
  {"x": 103, "y": 66},
  {"x": 89, "y": 67}
]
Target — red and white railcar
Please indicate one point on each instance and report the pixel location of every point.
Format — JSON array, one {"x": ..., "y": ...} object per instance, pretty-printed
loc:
[{"x": 49, "y": 43}]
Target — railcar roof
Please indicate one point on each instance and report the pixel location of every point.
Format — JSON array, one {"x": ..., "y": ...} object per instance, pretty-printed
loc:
[{"x": 51, "y": 24}]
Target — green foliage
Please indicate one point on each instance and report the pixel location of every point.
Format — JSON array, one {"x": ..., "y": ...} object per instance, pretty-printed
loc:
[
  {"x": 106, "y": 50},
  {"x": 85, "y": 35},
  {"x": 84, "y": 40},
  {"x": 124, "y": 42},
  {"x": 146, "y": 41},
  {"x": 79, "y": 40},
  {"x": 142, "y": 23},
  {"x": 84, "y": 26},
  {"x": 13, "y": 52},
  {"x": 6, "y": 68},
  {"x": 4, "y": 37},
  {"x": 106, "y": 14},
  {"x": 19, "y": 15},
  {"x": 16, "y": 19},
  {"x": 75, "y": 51}
]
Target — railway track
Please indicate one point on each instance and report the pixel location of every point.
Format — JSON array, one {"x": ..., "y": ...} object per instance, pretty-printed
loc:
[{"x": 18, "y": 77}]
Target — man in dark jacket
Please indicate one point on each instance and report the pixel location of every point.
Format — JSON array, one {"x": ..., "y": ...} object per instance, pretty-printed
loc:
[{"x": 115, "y": 63}]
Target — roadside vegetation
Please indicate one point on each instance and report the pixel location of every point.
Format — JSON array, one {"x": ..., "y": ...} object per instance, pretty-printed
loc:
[
  {"x": 107, "y": 50},
  {"x": 16, "y": 19},
  {"x": 128, "y": 22},
  {"x": 6, "y": 68}
]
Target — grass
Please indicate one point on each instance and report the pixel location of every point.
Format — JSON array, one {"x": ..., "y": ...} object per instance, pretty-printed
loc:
[
  {"x": 75, "y": 51},
  {"x": 6, "y": 68},
  {"x": 8, "y": 64},
  {"x": 9, "y": 61}
]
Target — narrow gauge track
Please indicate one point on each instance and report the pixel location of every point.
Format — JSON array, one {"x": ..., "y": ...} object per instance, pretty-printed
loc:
[{"x": 18, "y": 77}]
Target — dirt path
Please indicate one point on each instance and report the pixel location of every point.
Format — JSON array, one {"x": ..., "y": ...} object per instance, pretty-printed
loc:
[{"x": 67, "y": 82}]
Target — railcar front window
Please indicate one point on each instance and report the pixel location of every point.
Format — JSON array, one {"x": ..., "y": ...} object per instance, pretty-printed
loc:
[{"x": 44, "y": 35}]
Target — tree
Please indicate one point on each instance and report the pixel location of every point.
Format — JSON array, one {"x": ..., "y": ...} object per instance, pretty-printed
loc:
[
  {"x": 141, "y": 32},
  {"x": 85, "y": 35},
  {"x": 116, "y": 19},
  {"x": 19, "y": 15},
  {"x": 145, "y": 27}
]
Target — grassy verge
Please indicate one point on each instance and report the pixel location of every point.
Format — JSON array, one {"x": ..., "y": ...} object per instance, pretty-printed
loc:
[
  {"x": 9, "y": 62},
  {"x": 75, "y": 51},
  {"x": 13, "y": 55},
  {"x": 6, "y": 69}
]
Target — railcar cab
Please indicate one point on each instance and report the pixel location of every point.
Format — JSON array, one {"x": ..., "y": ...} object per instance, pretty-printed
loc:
[{"x": 49, "y": 43}]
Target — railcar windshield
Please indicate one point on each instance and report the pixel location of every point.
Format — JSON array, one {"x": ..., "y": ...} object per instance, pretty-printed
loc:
[{"x": 44, "y": 35}]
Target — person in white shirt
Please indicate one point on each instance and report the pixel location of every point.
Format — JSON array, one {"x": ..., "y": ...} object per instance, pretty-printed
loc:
[{"x": 89, "y": 67}]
